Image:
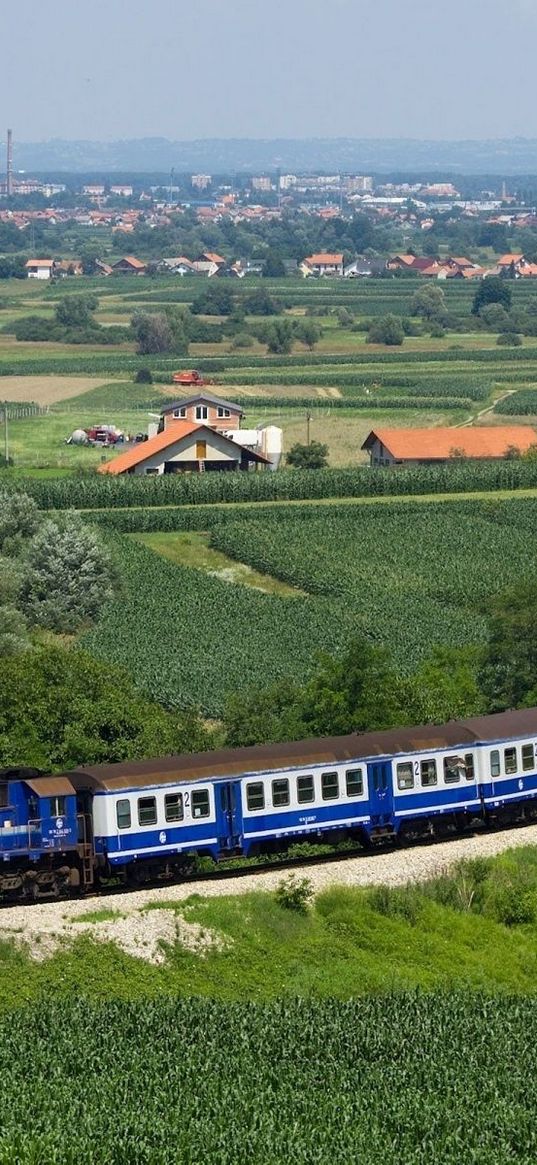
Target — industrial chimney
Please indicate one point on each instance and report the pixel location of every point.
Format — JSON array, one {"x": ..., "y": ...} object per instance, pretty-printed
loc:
[{"x": 9, "y": 175}]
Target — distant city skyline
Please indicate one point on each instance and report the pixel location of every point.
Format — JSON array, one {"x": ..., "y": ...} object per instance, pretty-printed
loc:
[{"x": 249, "y": 69}]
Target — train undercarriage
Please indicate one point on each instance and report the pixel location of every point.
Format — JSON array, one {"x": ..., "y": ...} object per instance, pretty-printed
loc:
[{"x": 81, "y": 872}]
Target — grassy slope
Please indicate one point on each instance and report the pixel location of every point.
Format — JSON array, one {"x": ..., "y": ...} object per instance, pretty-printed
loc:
[{"x": 352, "y": 942}]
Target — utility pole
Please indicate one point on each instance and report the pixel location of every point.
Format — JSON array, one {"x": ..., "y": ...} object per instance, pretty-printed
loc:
[
  {"x": 172, "y": 172},
  {"x": 6, "y": 438},
  {"x": 308, "y": 419}
]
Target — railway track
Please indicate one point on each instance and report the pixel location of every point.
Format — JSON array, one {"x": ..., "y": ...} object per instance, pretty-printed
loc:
[{"x": 403, "y": 858}]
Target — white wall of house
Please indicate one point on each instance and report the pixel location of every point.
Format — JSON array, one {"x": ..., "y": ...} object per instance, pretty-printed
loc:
[
  {"x": 39, "y": 272},
  {"x": 216, "y": 449}
]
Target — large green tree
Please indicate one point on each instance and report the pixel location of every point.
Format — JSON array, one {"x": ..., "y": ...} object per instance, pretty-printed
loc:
[
  {"x": 312, "y": 456},
  {"x": 493, "y": 289},
  {"x": 60, "y": 708},
  {"x": 160, "y": 331},
  {"x": 76, "y": 311},
  {"x": 68, "y": 575},
  {"x": 386, "y": 330},
  {"x": 508, "y": 677}
]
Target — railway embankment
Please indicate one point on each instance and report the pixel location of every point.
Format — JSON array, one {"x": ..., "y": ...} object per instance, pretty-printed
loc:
[{"x": 461, "y": 912}]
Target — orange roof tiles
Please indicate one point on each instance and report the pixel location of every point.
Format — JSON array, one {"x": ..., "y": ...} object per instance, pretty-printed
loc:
[
  {"x": 131, "y": 260},
  {"x": 506, "y": 260},
  {"x": 175, "y": 431},
  {"x": 324, "y": 259},
  {"x": 439, "y": 444}
]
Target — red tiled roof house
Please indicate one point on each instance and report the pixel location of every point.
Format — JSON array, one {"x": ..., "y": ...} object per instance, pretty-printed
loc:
[
  {"x": 391, "y": 447},
  {"x": 183, "y": 447}
]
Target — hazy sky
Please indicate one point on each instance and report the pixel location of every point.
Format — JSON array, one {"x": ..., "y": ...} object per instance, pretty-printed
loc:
[{"x": 256, "y": 68}]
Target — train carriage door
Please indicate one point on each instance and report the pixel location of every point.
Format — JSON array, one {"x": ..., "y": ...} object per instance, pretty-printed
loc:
[
  {"x": 379, "y": 780},
  {"x": 229, "y": 815}
]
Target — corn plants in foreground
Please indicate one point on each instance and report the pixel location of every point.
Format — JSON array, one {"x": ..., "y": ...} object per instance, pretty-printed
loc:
[{"x": 400, "y": 1080}]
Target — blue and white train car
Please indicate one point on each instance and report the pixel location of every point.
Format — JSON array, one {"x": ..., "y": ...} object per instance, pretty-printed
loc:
[{"x": 152, "y": 816}]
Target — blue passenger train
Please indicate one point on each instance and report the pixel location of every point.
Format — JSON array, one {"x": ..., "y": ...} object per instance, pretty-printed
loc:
[{"x": 143, "y": 820}]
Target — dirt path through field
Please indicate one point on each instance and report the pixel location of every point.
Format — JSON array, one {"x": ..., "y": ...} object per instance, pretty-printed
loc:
[{"x": 46, "y": 390}]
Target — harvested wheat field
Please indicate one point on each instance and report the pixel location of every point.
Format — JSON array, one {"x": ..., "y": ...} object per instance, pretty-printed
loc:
[{"x": 46, "y": 390}]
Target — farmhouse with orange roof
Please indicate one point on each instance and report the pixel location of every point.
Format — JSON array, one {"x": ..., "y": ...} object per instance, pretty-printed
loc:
[{"x": 390, "y": 447}]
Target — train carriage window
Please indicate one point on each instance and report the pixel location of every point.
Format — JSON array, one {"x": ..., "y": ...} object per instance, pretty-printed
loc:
[
  {"x": 255, "y": 796},
  {"x": 428, "y": 773},
  {"x": 57, "y": 806},
  {"x": 330, "y": 786},
  {"x": 123, "y": 814},
  {"x": 469, "y": 762},
  {"x": 173, "y": 807},
  {"x": 354, "y": 782},
  {"x": 304, "y": 790},
  {"x": 200, "y": 803},
  {"x": 495, "y": 763},
  {"x": 405, "y": 775},
  {"x": 4, "y": 795},
  {"x": 454, "y": 769},
  {"x": 280, "y": 793},
  {"x": 510, "y": 761},
  {"x": 527, "y": 757},
  {"x": 147, "y": 810}
]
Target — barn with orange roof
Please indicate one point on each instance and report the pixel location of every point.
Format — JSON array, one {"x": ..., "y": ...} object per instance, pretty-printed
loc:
[{"x": 391, "y": 447}]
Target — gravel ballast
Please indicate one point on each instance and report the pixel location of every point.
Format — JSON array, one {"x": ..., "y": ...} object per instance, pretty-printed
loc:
[{"x": 43, "y": 927}]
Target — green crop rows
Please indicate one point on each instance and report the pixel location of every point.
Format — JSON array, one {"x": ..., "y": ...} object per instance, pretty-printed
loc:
[
  {"x": 520, "y": 404},
  {"x": 407, "y": 575},
  {"x": 189, "y": 638},
  {"x": 440, "y": 1080},
  {"x": 93, "y": 491}
]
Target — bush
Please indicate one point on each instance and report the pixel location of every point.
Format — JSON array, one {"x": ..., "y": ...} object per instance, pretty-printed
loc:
[
  {"x": 294, "y": 893},
  {"x": 513, "y": 906},
  {"x": 509, "y": 340},
  {"x": 143, "y": 376},
  {"x": 312, "y": 456},
  {"x": 404, "y": 903},
  {"x": 242, "y": 340},
  {"x": 387, "y": 330}
]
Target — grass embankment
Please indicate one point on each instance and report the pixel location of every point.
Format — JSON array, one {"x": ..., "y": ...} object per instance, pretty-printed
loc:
[{"x": 475, "y": 928}]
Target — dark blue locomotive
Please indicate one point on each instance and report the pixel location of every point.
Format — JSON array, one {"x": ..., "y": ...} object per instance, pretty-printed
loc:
[{"x": 141, "y": 820}]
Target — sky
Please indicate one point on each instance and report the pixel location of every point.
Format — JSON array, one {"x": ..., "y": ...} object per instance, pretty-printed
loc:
[{"x": 186, "y": 69}]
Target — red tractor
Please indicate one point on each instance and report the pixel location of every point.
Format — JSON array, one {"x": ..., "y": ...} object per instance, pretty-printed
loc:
[{"x": 190, "y": 378}]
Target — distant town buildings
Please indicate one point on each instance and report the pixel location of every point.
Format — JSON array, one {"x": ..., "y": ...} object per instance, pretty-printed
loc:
[
  {"x": 201, "y": 181},
  {"x": 262, "y": 185}
]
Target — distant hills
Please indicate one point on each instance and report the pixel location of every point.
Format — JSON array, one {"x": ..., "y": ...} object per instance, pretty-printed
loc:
[{"x": 245, "y": 155}]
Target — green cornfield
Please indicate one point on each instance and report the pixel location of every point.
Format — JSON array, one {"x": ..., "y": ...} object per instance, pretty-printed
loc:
[
  {"x": 402, "y": 1080},
  {"x": 408, "y": 575},
  {"x": 93, "y": 491}
]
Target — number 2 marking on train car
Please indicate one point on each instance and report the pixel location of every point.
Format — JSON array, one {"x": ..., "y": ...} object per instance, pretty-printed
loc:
[{"x": 416, "y": 768}]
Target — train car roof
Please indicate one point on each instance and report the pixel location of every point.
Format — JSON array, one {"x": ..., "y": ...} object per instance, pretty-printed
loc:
[{"x": 236, "y": 762}]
